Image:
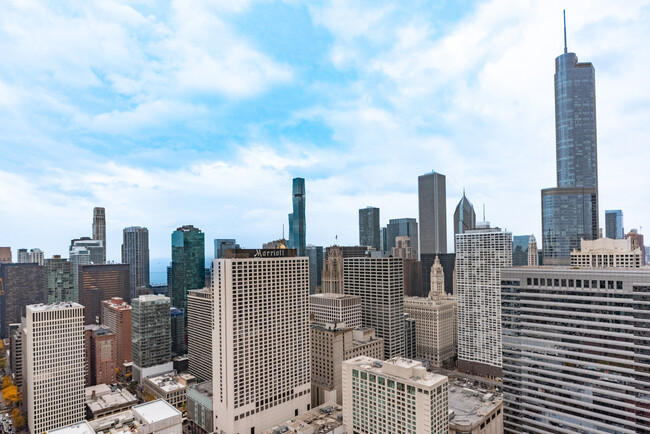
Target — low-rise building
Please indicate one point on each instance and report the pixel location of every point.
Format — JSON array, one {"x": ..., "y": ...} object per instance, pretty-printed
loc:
[
  {"x": 103, "y": 400},
  {"x": 76, "y": 428},
  {"x": 473, "y": 411},
  {"x": 169, "y": 387},
  {"x": 325, "y": 419},
  {"x": 155, "y": 417},
  {"x": 199, "y": 408},
  {"x": 395, "y": 396}
]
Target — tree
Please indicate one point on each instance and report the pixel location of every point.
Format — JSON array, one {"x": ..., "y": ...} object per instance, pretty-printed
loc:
[
  {"x": 3, "y": 363},
  {"x": 11, "y": 394},
  {"x": 6, "y": 382},
  {"x": 19, "y": 419}
]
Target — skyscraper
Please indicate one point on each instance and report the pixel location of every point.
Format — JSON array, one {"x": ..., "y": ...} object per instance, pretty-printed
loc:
[
  {"x": 480, "y": 255},
  {"x": 223, "y": 244},
  {"x": 402, "y": 227},
  {"x": 379, "y": 282},
  {"x": 151, "y": 331},
  {"x": 102, "y": 282},
  {"x": 177, "y": 329},
  {"x": 464, "y": 216},
  {"x": 614, "y": 224},
  {"x": 332, "y": 277},
  {"x": 570, "y": 211},
  {"x": 261, "y": 353},
  {"x": 533, "y": 257},
  {"x": 200, "y": 324},
  {"x": 369, "y": 234},
  {"x": 99, "y": 228},
  {"x": 432, "y": 194},
  {"x": 59, "y": 284},
  {"x": 315, "y": 254},
  {"x": 135, "y": 252},
  {"x": 53, "y": 355},
  {"x": 297, "y": 221},
  {"x": 22, "y": 284},
  {"x": 520, "y": 250},
  {"x": 188, "y": 264}
]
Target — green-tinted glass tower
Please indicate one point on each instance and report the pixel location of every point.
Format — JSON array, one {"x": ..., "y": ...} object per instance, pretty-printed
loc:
[{"x": 188, "y": 264}]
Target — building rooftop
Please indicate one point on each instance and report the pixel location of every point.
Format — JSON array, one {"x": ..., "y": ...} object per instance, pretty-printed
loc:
[
  {"x": 320, "y": 420},
  {"x": 53, "y": 306},
  {"x": 468, "y": 406},
  {"x": 118, "y": 303},
  {"x": 204, "y": 388},
  {"x": 399, "y": 367},
  {"x": 107, "y": 398},
  {"x": 151, "y": 297},
  {"x": 155, "y": 411},
  {"x": 167, "y": 382},
  {"x": 76, "y": 428},
  {"x": 333, "y": 296}
]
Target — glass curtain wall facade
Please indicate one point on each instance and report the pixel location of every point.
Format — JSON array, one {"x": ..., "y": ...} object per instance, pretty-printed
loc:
[
  {"x": 614, "y": 224},
  {"x": 570, "y": 211},
  {"x": 297, "y": 222},
  {"x": 188, "y": 264},
  {"x": 369, "y": 233}
]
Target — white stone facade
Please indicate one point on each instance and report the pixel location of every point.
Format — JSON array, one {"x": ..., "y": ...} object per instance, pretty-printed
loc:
[
  {"x": 54, "y": 365},
  {"x": 480, "y": 256}
]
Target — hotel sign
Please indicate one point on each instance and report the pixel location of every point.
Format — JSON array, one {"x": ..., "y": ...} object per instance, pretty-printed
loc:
[{"x": 261, "y": 253}]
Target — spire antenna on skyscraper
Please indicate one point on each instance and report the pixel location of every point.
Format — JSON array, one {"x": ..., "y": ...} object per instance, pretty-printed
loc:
[{"x": 564, "y": 14}]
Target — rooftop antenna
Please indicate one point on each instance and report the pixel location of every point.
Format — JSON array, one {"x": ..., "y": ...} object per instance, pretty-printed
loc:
[
  {"x": 283, "y": 231},
  {"x": 483, "y": 211},
  {"x": 564, "y": 14}
]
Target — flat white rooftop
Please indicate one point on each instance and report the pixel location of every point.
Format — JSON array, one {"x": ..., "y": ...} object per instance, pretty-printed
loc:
[
  {"x": 155, "y": 411},
  {"x": 75, "y": 428},
  {"x": 167, "y": 382},
  {"x": 53, "y": 306}
]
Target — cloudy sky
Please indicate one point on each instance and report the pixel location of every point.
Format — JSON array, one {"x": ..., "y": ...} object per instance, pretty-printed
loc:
[{"x": 190, "y": 112}]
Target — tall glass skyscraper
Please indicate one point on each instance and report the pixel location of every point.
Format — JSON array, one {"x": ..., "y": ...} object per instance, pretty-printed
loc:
[
  {"x": 464, "y": 217},
  {"x": 614, "y": 224},
  {"x": 297, "y": 222},
  {"x": 369, "y": 233},
  {"x": 570, "y": 211},
  {"x": 188, "y": 264}
]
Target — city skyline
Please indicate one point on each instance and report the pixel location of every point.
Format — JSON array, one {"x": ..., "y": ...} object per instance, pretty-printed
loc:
[{"x": 366, "y": 91}]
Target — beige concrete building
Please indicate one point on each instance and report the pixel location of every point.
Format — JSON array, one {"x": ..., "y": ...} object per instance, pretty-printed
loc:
[
  {"x": 397, "y": 396},
  {"x": 607, "y": 253},
  {"x": 403, "y": 248},
  {"x": 332, "y": 276},
  {"x": 54, "y": 368},
  {"x": 168, "y": 387},
  {"x": 436, "y": 335},
  {"x": 103, "y": 400},
  {"x": 261, "y": 348},
  {"x": 200, "y": 324},
  {"x": 472, "y": 411},
  {"x": 331, "y": 308},
  {"x": 330, "y": 346}
]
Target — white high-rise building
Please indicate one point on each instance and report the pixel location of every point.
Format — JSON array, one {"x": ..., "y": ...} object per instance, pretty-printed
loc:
[
  {"x": 331, "y": 308},
  {"x": 53, "y": 357},
  {"x": 480, "y": 256},
  {"x": 380, "y": 284},
  {"x": 533, "y": 257},
  {"x": 397, "y": 396},
  {"x": 200, "y": 323},
  {"x": 261, "y": 349}
]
